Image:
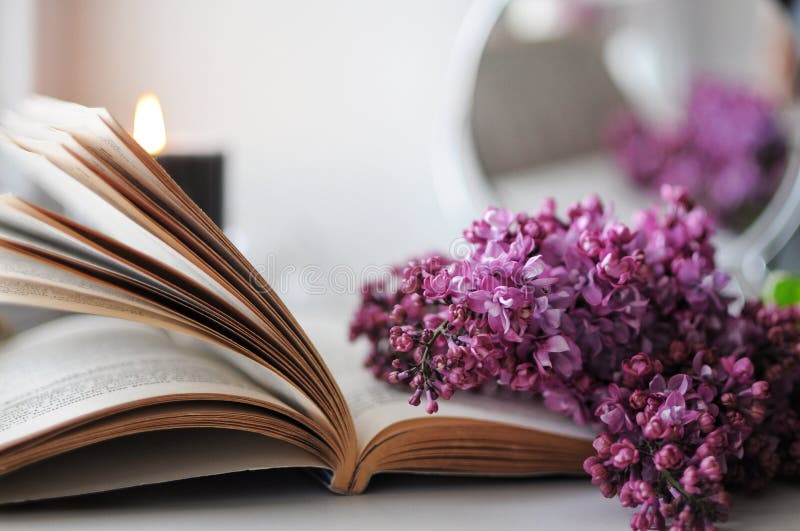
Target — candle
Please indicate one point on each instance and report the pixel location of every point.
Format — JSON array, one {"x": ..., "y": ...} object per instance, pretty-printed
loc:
[{"x": 200, "y": 175}]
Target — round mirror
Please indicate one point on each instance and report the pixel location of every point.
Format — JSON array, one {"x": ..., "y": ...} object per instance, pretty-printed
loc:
[{"x": 554, "y": 98}]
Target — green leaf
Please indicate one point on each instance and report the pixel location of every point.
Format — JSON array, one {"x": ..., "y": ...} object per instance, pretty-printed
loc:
[{"x": 783, "y": 289}]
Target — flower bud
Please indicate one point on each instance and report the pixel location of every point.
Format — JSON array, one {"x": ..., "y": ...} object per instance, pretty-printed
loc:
[
  {"x": 742, "y": 370},
  {"x": 689, "y": 480},
  {"x": 432, "y": 407},
  {"x": 398, "y": 314},
  {"x": 643, "y": 492},
  {"x": 638, "y": 399},
  {"x": 602, "y": 445},
  {"x": 709, "y": 467},
  {"x": 736, "y": 419},
  {"x": 624, "y": 454},
  {"x": 703, "y": 451},
  {"x": 426, "y": 336},
  {"x": 639, "y": 522},
  {"x": 669, "y": 457},
  {"x": 640, "y": 365},
  {"x": 589, "y": 462},
  {"x": 760, "y": 389},
  {"x": 655, "y": 429},
  {"x": 626, "y": 498},
  {"x": 444, "y": 389},
  {"x": 728, "y": 400},
  {"x": 717, "y": 439},
  {"x": 706, "y": 422},
  {"x": 415, "y": 398},
  {"x": 599, "y": 473},
  {"x": 608, "y": 489},
  {"x": 400, "y": 338},
  {"x": 589, "y": 243}
]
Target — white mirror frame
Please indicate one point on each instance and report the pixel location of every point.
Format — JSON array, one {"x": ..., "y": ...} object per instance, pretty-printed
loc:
[{"x": 463, "y": 190}]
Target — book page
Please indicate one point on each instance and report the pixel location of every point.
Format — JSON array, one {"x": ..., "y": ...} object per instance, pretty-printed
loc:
[
  {"x": 67, "y": 179},
  {"x": 18, "y": 227},
  {"x": 81, "y": 366},
  {"x": 375, "y": 405},
  {"x": 91, "y": 209},
  {"x": 27, "y": 281},
  {"x": 94, "y": 156},
  {"x": 24, "y": 280},
  {"x": 149, "y": 458},
  {"x": 100, "y": 214}
]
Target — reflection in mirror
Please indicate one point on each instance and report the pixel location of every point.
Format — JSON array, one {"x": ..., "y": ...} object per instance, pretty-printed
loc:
[{"x": 619, "y": 97}]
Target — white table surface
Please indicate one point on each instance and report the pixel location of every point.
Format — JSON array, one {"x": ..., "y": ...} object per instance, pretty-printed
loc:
[{"x": 291, "y": 499}]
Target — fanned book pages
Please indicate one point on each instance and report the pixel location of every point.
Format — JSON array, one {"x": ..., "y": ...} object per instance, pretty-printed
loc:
[{"x": 189, "y": 364}]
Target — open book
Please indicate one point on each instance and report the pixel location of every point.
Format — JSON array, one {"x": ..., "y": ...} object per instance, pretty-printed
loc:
[{"x": 190, "y": 364}]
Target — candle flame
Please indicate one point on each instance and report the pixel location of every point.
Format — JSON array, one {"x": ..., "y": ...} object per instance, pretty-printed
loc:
[{"x": 148, "y": 124}]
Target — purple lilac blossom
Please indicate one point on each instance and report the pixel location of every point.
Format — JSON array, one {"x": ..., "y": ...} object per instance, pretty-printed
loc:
[
  {"x": 728, "y": 151},
  {"x": 624, "y": 328}
]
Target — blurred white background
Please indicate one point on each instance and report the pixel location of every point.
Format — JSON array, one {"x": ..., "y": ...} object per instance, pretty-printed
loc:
[{"x": 323, "y": 109}]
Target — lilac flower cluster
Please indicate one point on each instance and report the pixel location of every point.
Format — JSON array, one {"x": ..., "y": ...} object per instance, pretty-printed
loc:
[
  {"x": 669, "y": 443},
  {"x": 729, "y": 151},
  {"x": 624, "y": 328}
]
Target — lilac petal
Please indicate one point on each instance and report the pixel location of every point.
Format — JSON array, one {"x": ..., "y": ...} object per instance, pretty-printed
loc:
[
  {"x": 706, "y": 392},
  {"x": 614, "y": 419},
  {"x": 476, "y": 300},
  {"x": 673, "y": 410},
  {"x": 533, "y": 267},
  {"x": 541, "y": 304},
  {"x": 542, "y": 358},
  {"x": 679, "y": 383},
  {"x": 552, "y": 318},
  {"x": 567, "y": 362},
  {"x": 592, "y": 294},
  {"x": 555, "y": 344},
  {"x": 498, "y": 218},
  {"x": 513, "y": 336},
  {"x": 657, "y": 384},
  {"x": 697, "y": 363},
  {"x": 675, "y": 400},
  {"x": 498, "y": 320}
]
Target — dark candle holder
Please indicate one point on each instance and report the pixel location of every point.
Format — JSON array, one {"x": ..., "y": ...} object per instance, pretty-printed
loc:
[{"x": 201, "y": 177}]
